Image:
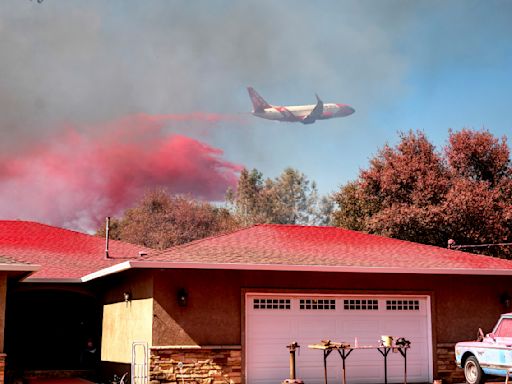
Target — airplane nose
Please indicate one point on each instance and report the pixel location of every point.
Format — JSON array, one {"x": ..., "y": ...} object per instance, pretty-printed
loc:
[{"x": 345, "y": 110}]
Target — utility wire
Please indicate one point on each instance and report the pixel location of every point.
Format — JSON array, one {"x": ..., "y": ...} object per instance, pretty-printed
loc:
[{"x": 461, "y": 246}]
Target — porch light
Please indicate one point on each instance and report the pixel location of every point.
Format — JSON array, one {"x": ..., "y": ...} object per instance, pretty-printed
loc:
[
  {"x": 182, "y": 297},
  {"x": 127, "y": 296}
]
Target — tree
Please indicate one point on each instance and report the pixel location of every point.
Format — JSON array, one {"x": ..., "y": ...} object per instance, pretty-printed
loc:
[
  {"x": 478, "y": 156},
  {"x": 354, "y": 208},
  {"x": 290, "y": 198},
  {"x": 160, "y": 221},
  {"x": 249, "y": 200},
  {"x": 295, "y": 198},
  {"x": 324, "y": 211},
  {"x": 415, "y": 193}
]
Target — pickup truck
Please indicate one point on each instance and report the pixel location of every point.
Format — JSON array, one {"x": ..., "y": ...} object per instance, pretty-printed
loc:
[{"x": 488, "y": 355}]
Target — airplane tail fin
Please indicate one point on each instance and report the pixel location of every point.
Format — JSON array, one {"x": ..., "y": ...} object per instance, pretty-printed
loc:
[{"x": 258, "y": 103}]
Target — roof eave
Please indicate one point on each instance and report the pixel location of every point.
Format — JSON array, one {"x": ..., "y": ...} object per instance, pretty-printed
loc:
[
  {"x": 116, "y": 268},
  {"x": 19, "y": 267},
  {"x": 51, "y": 280},
  {"x": 294, "y": 268}
]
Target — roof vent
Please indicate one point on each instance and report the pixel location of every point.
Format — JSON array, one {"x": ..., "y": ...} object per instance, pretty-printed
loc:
[{"x": 142, "y": 253}]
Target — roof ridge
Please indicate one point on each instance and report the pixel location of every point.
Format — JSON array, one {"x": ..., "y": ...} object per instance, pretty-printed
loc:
[
  {"x": 207, "y": 238},
  {"x": 54, "y": 227},
  {"x": 322, "y": 227},
  {"x": 298, "y": 225}
]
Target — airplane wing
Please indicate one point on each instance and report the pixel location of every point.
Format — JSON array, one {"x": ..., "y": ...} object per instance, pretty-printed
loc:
[
  {"x": 316, "y": 113},
  {"x": 288, "y": 116}
]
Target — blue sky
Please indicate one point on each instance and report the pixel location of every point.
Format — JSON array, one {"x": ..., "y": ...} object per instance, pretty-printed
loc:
[{"x": 429, "y": 65}]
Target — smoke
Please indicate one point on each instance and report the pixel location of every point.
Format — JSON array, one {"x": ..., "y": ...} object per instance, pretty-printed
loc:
[
  {"x": 83, "y": 61},
  {"x": 93, "y": 61},
  {"x": 75, "y": 179}
]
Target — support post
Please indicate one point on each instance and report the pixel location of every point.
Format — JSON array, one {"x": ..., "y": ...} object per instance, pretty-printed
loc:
[{"x": 293, "y": 379}]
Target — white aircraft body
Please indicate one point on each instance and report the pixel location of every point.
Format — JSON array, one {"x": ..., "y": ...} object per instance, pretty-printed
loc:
[{"x": 306, "y": 114}]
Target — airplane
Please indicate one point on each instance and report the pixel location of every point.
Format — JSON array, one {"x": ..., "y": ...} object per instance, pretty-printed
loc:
[{"x": 306, "y": 114}]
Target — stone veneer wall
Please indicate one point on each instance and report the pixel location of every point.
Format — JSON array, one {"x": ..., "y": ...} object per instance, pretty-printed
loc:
[
  {"x": 223, "y": 365},
  {"x": 2, "y": 367},
  {"x": 201, "y": 365},
  {"x": 446, "y": 368}
]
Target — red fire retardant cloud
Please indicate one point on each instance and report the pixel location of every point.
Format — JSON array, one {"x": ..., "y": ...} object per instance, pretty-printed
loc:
[{"x": 75, "y": 179}]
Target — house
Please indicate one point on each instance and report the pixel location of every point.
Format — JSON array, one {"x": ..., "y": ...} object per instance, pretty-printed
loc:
[
  {"x": 227, "y": 306},
  {"x": 50, "y": 312}
]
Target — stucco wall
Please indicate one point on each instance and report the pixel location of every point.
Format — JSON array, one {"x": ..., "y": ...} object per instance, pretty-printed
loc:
[
  {"x": 126, "y": 321},
  {"x": 212, "y": 315},
  {"x": 460, "y": 304},
  {"x": 139, "y": 283}
]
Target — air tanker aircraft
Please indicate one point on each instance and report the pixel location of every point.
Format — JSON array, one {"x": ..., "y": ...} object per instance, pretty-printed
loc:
[{"x": 306, "y": 114}]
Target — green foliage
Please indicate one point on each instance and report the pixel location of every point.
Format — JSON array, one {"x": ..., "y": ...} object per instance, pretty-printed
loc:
[
  {"x": 414, "y": 193},
  {"x": 290, "y": 198},
  {"x": 353, "y": 209}
]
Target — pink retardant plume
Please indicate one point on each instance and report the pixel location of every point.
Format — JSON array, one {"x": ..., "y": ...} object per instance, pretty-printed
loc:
[{"x": 76, "y": 179}]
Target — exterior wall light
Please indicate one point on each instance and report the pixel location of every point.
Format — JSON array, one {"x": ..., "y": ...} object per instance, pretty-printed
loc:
[
  {"x": 182, "y": 297},
  {"x": 127, "y": 296}
]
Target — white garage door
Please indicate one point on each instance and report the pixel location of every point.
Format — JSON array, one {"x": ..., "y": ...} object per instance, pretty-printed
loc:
[{"x": 274, "y": 321}]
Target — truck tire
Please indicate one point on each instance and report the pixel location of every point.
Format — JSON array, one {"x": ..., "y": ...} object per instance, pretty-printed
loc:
[{"x": 472, "y": 371}]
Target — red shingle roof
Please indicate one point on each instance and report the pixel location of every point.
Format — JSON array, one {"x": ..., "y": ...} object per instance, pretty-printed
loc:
[
  {"x": 61, "y": 253},
  {"x": 69, "y": 256},
  {"x": 322, "y": 248}
]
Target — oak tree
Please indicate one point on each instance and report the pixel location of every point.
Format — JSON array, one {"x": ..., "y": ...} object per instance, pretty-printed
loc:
[
  {"x": 160, "y": 221},
  {"x": 414, "y": 192}
]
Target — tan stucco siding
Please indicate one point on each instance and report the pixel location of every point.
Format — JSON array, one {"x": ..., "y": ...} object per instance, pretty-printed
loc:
[
  {"x": 214, "y": 314},
  {"x": 124, "y": 323}
]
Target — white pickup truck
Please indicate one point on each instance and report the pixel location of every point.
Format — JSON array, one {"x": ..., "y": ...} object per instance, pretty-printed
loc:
[{"x": 488, "y": 355}]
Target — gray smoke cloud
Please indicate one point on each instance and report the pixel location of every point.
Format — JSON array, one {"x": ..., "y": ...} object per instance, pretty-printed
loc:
[{"x": 89, "y": 62}]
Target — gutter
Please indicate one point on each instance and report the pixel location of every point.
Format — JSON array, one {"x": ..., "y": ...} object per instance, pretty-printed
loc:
[{"x": 134, "y": 264}]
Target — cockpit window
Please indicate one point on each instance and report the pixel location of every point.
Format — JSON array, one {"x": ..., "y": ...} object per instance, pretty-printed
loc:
[{"x": 504, "y": 328}]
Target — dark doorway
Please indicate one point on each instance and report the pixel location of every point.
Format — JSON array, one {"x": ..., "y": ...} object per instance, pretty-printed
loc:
[{"x": 48, "y": 329}]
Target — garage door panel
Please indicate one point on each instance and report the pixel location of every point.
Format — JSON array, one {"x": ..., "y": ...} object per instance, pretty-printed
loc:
[
  {"x": 316, "y": 327},
  {"x": 334, "y": 374},
  {"x": 399, "y": 328},
  {"x": 310, "y": 320},
  {"x": 281, "y": 325},
  {"x": 260, "y": 375},
  {"x": 353, "y": 327},
  {"x": 270, "y": 352}
]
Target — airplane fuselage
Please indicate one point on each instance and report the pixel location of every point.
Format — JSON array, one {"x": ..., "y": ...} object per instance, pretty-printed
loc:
[{"x": 295, "y": 113}]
